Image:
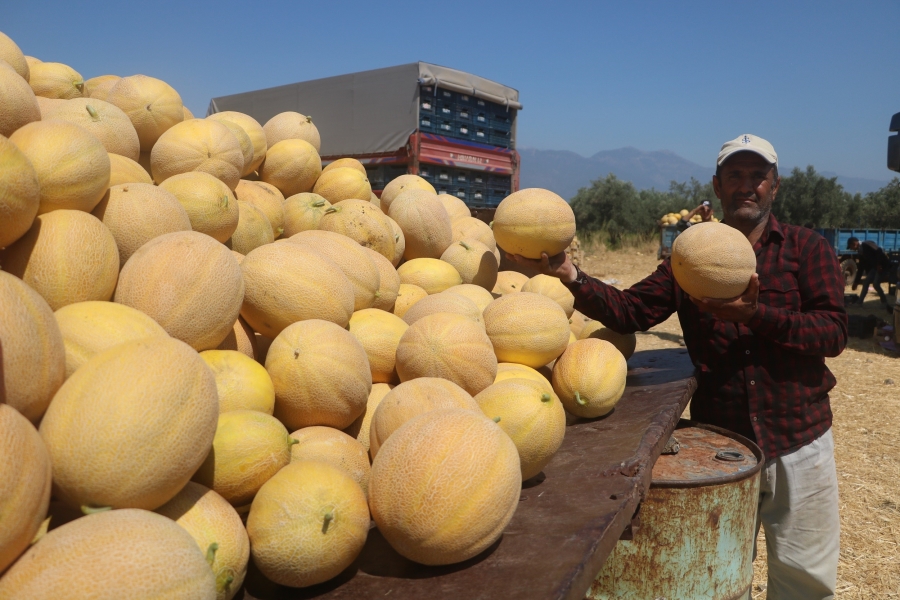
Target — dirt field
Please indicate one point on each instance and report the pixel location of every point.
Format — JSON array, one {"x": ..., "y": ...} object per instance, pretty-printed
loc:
[{"x": 866, "y": 406}]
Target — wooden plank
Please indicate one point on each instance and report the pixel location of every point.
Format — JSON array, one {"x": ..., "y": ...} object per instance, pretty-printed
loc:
[{"x": 568, "y": 520}]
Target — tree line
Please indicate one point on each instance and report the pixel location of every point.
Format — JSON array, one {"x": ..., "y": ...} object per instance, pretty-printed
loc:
[{"x": 614, "y": 207}]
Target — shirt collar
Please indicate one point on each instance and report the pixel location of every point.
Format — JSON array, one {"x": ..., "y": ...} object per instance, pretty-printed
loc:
[{"x": 773, "y": 229}]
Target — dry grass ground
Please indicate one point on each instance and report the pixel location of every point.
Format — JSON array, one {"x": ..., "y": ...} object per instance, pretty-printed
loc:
[{"x": 866, "y": 406}]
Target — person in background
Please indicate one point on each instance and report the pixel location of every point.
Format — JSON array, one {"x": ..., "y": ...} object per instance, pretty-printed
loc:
[
  {"x": 704, "y": 210},
  {"x": 760, "y": 361},
  {"x": 874, "y": 264}
]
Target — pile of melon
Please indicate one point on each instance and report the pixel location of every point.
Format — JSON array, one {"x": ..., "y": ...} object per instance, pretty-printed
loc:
[
  {"x": 216, "y": 350},
  {"x": 673, "y": 218}
]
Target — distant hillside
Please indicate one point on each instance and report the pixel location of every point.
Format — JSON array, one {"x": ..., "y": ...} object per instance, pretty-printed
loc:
[{"x": 566, "y": 172}]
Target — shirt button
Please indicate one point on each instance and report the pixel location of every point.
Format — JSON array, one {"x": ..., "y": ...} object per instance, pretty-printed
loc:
[
  {"x": 752, "y": 382},
  {"x": 746, "y": 352},
  {"x": 756, "y": 418}
]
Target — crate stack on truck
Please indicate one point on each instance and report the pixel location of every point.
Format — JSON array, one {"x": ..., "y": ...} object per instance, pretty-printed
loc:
[{"x": 454, "y": 129}]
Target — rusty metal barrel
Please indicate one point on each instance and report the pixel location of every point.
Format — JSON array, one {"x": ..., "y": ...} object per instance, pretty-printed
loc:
[{"x": 696, "y": 525}]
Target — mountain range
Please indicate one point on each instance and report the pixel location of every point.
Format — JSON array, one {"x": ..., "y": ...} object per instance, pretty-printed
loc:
[{"x": 566, "y": 172}]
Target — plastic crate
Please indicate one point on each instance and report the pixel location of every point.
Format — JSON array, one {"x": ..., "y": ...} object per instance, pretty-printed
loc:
[
  {"x": 477, "y": 196},
  {"x": 481, "y": 117},
  {"x": 444, "y": 176},
  {"x": 479, "y": 178},
  {"x": 426, "y": 104},
  {"x": 445, "y": 110},
  {"x": 427, "y": 123},
  {"x": 481, "y": 134},
  {"x": 499, "y": 181},
  {"x": 502, "y": 140},
  {"x": 375, "y": 175},
  {"x": 462, "y": 131},
  {"x": 465, "y": 100},
  {"x": 495, "y": 195},
  {"x": 426, "y": 172},
  {"x": 501, "y": 126},
  {"x": 446, "y": 95},
  {"x": 464, "y": 114}
]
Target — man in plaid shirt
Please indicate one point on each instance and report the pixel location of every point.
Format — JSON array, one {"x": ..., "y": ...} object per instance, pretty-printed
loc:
[{"x": 760, "y": 361}]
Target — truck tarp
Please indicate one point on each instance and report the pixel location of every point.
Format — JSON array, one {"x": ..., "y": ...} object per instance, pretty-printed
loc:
[{"x": 370, "y": 112}]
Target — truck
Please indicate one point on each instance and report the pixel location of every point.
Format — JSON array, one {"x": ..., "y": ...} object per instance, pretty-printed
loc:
[{"x": 454, "y": 129}]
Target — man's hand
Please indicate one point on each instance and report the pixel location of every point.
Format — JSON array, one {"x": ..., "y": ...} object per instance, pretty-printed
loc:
[
  {"x": 558, "y": 266},
  {"x": 737, "y": 310}
]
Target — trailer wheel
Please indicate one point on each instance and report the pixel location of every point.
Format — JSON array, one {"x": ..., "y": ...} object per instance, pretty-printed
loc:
[{"x": 848, "y": 270}]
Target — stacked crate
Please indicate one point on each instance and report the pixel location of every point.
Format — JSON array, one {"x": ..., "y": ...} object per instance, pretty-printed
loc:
[{"x": 458, "y": 116}]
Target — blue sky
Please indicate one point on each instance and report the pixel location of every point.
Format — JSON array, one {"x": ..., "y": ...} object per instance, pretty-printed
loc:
[{"x": 820, "y": 80}]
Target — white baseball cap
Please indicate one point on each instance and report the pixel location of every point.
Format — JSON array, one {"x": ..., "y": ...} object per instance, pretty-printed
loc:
[{"x": 748, "y": 143}]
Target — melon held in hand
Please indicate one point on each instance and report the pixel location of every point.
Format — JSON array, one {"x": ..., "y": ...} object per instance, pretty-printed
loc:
[
  {"x": 532, "y": 221},
  {"x": 713, "y": 260}
]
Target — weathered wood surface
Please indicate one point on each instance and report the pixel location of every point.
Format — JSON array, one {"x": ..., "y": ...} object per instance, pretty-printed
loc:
[{"x": 568, "y": 519}]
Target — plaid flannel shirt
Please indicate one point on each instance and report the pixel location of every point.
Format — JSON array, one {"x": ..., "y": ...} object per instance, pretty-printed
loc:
[{"x": 766, "y": 379}]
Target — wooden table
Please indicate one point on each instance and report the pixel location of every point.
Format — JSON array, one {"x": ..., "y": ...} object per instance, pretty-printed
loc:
[{"x": 568, "y": 519}]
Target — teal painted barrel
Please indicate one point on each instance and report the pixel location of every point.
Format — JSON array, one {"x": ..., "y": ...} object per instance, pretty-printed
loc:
[{"x": 697, "y": 523}]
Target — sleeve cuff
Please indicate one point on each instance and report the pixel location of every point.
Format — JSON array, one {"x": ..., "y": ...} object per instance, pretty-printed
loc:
[{"x": 764, "y": 321}]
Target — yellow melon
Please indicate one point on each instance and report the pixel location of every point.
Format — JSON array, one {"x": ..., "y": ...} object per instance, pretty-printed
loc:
[
  {"x": 360, "y": 221},
  {"x": 103, "y": 120},
  {"x": 624, "y": 342},
  {"x": 292, "y": 166},
  {"x": 532, "y": 221},
  {"x": 209, "y": 203},
  {"x": 24, "y": 483},
  {"x": 379, "y": 332},
  {"x": 589, "y": 378},
  {"x": 399, "y": 241},
  {"x": 238, "y": 257},
  {"x": 241, "y": 338},
  {"x": 20, "y": 193},
  {"x": 431, "y": 274},
  {"x": 470, "y": 228},
  {"x": 307, "y": 524},
  {"x": 455, "y": 207},
  {"x": 287, "y": 282},
  {"x": 89, "y": 328},
  {"x": 350, "y": 257},
  {"x": 18, "y": 106},
  {"x": 131, "y": 553},
  {"x": 475, "y": 262},
  {"x": 249, "y": 447},
  {"x": 253, "y": 230},
  {"x": 411, "y": 399},
  {"x": 241, "y": 382},
  {"x": 188, "y": 114},
  {"x": 407, "y": 295},
  {"x": 516, "y": 371},
  {"x": 292, "y": 125},
  {"x": 154, "y": 397},
  {"x": 321, "y": 375},
  {"x": 263, "y": 344},
  {"x": 152, "y": 105},
  {"x": 244, "y": 142},
  {"x": 424, "y": 222},
  {"x": 266, "y": 198},
  {"x": 135, "y": 213},
  {"x": 713, "y": 260},
  {"x": 34, "y": 358},
  {"x": 30, "y": 60},
  {"x": 56, "y": 80},
  {"x": 335, "y": 448},
  {"x": 445, "y": 486},
  {"x": 98, "y": 87},
  {"x": 444, "y": 302},
  {"x": 401, "y": 183},
  {"x": 187, "y": 283},
  {"x": 67, "y": 256},
  {"x": 577, "y": 323},
  {"x": 509, "y": 282},
  {"x": 350, "y": 163},
  {"x": 253, "y": 130},
  {"x": 198, "y": 145},
  {"x": 359, "y": 429},
  {"x": 450, "y": 346},
  {"x": 531, "y": 416},
  {"x": 477, "y": 294},
  {"x": 303, "y": 212},
  {"x": 13, "y": 56},
  {"x": 71, "y": 164},
  {"x": 47, "y": 104},
  {"x": 389, "y": 281},
  {"x": 124, "y": 170},
  {"x": 343, "y": 183},
  {"x": 526, "y": 328},
  {"x": 553, "y": 288},
  {"x": 218, "y": 531}
]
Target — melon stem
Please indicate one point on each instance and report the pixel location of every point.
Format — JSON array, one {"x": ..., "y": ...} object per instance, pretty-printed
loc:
[
  {"x": 318, "y": 203},
  {"x": 579, "y": 400},
  {"x": 545, "y": 397},
  {"x": 496, "y": 419},
  {"x": 465, "y": 245},
  {"x": 225, "y": 201},
  {"x": 211, "y": 553},
  {"x": 329, "y": 517},
  {"x": 89, "y": 510},
  {"x": 293, "y": 441},
  {"x": 93, "y": 112},
  {"x": 331, "y": 209}
]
